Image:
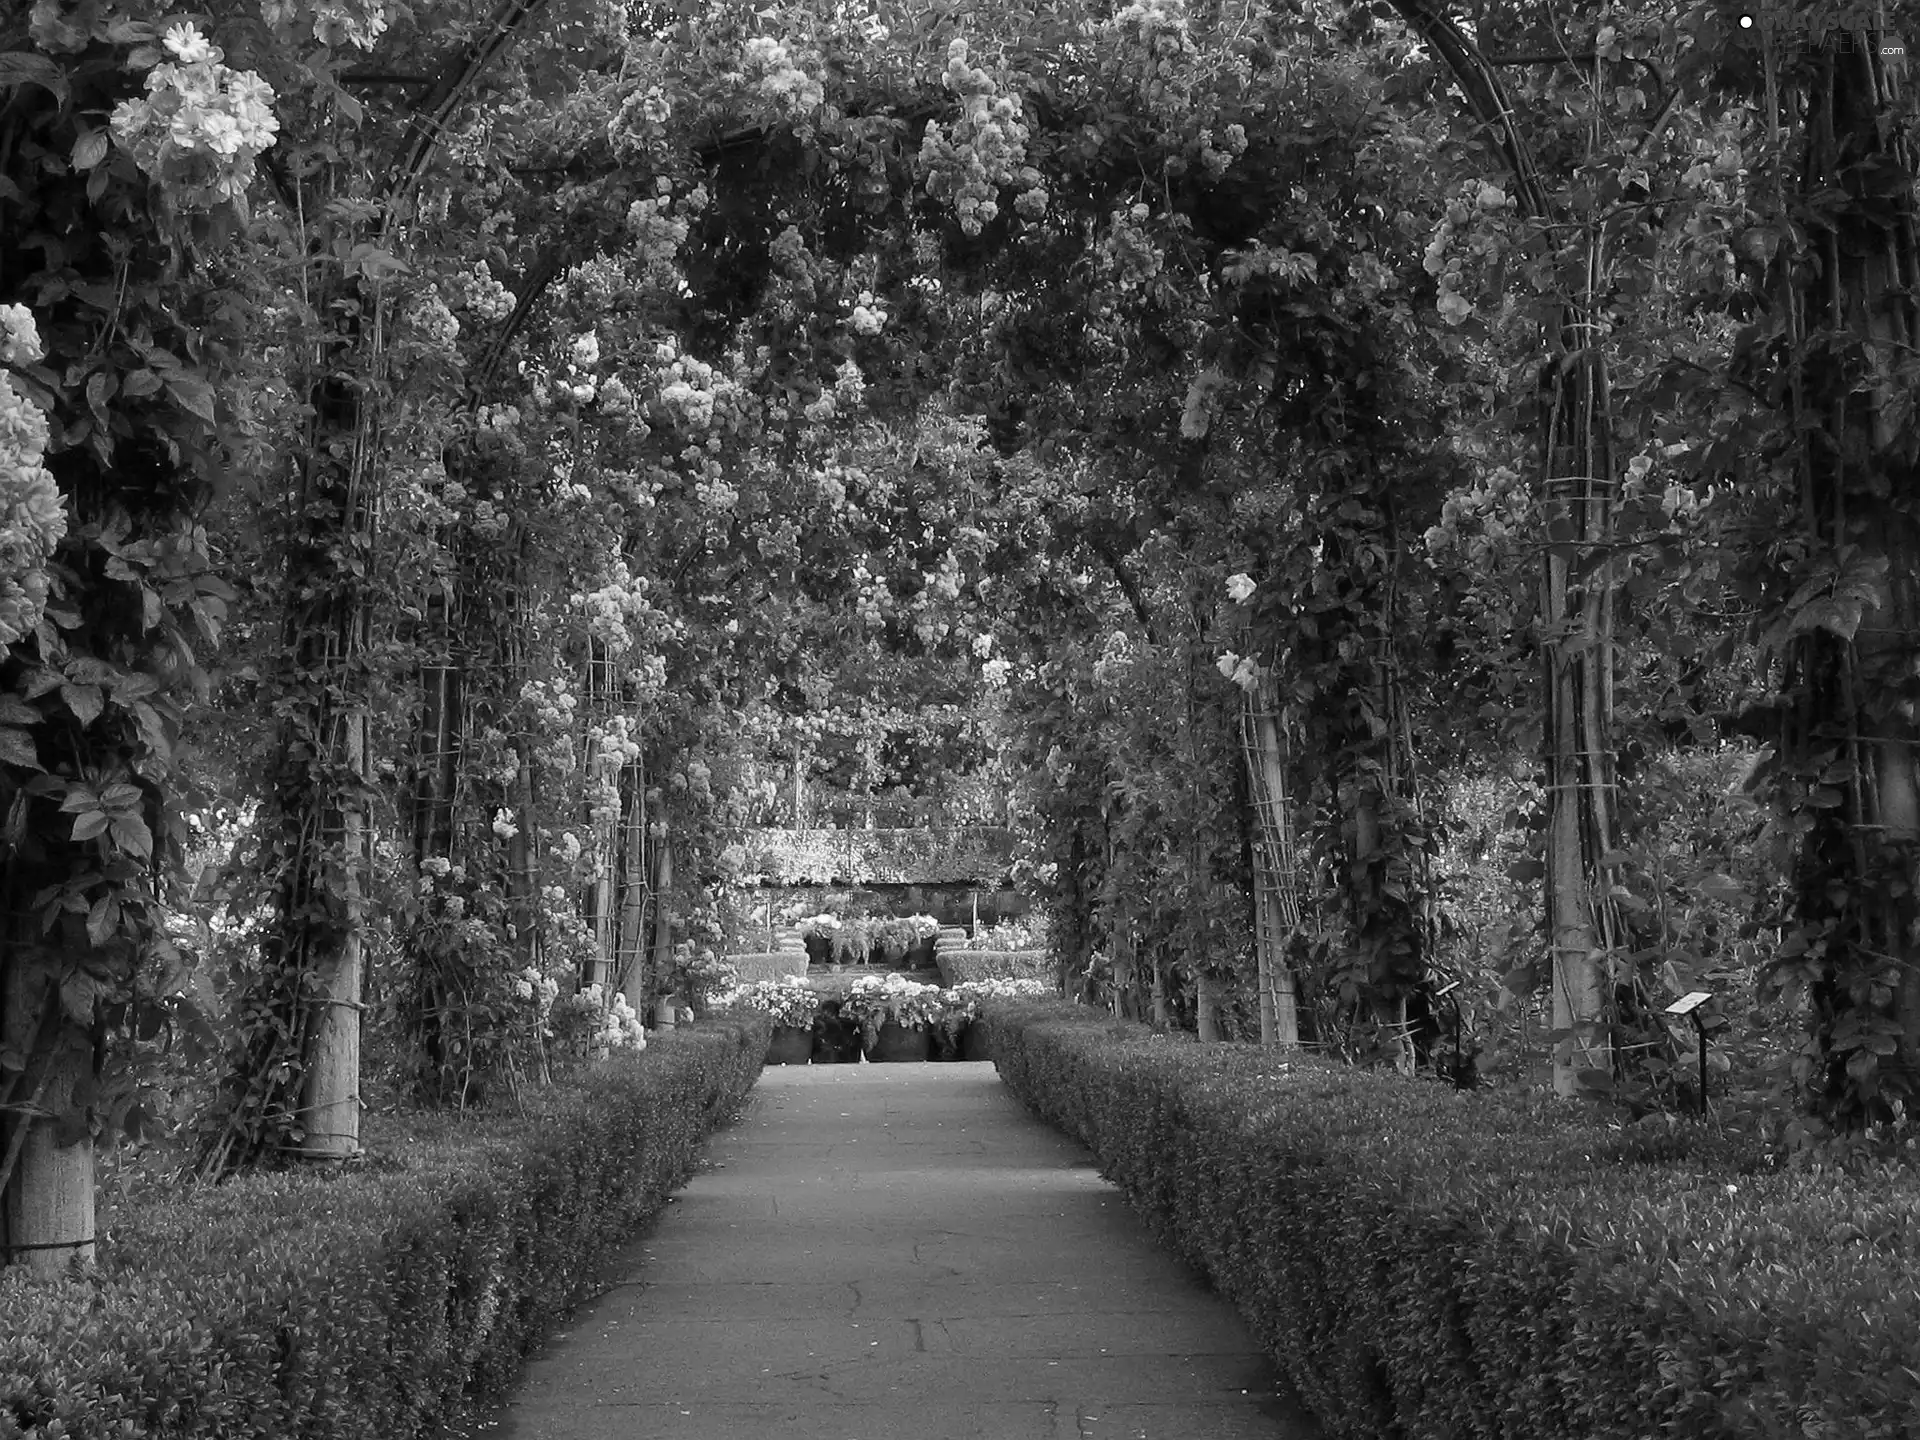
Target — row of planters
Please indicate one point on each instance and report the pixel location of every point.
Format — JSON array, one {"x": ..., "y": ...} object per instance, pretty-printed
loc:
[
  {"x": 861, "y": 940},
  {"x": 880, "y": 1018}
]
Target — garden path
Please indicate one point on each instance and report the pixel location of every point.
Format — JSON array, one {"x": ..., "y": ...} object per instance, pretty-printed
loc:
[{"x": 882, "y": 1251}]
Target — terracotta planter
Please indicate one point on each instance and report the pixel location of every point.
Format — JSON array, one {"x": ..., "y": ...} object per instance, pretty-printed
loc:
[
  {"x": 973, "y": 1041},
  {"x": 666, "y": 1012},
  {"x": 900, "y": 1042},
  {"x": 791, "y": 1045}
]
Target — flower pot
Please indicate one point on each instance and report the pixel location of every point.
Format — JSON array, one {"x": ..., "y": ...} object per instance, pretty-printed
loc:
[
  {"x": 666, "y": 1012},
  {"x": 973, "y": 1041},
  {"x": 835, "y": 1041},
  {"x": 900, "y": 1042},
  {"x": 946, "y": 1043},
  {"x": 791, "y": 1045}
]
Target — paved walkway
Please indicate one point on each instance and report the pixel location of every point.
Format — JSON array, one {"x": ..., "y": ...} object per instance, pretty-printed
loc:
[{"x": 899, "y": 1252}]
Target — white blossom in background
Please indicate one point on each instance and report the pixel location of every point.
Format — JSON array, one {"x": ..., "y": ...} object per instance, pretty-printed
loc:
[
  {"x": 994, "y": 673},
  {"x": 586, "y": 350},
  {"x": 32, "y": 519},
  {"x": 503, "y": 825},
  {"x": 1240, "y": 587}
]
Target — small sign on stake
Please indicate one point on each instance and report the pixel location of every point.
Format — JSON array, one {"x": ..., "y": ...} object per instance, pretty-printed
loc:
[{"x": 1689, "y": 1005}]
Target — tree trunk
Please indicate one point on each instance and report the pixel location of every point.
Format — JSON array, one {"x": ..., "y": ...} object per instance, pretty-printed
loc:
[
  {"x": 1206, "y": 1007},
  {"x": 1577, "y": 605},
  {"x": 603, "y": 888},
  {"x": 635, "y": 891},
  {"x": 662, "y": 959},
  {"x": 323, "y": 786},
  {"x": 1576, "y": 621},
  {"x": 1276, "y": 892},
  {"x": 329, "y": 1112},
  {"x": 47, "y": 1179}
]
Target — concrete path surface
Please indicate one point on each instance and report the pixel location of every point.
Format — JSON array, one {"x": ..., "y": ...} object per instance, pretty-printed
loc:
[{"x": 899, "y": 1252}]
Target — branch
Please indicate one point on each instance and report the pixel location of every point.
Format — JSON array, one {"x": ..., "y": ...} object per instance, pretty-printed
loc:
[
  {"x": 543, "y": 274},
  {"x": 1128, "y": 585},
  {"x": 437, "y": 107},
  {"x": 1486, "y": 96},
  {"x": 375, "y": 78}
]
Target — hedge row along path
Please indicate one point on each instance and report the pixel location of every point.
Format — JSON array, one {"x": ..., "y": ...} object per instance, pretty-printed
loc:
[{"x": 884, "y": 1251}]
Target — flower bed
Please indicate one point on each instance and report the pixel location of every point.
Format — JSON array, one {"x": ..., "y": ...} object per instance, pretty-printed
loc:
[
  {"x": 960, "y": 967},
  {"x": 1496, "y": 1266},
  {"x": 790, "y": 1001},
  {"x": 382, "y": 1302}
]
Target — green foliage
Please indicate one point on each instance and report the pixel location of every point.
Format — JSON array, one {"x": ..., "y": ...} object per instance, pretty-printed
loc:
[
  {"x": 1425, "y": 1262},
  {"x": 390, "y": 1299},
  {"x": 766, "y": 966}
]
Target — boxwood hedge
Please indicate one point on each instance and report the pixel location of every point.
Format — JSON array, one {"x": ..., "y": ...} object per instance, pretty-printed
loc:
[
  {"x": 957, "y": 967},
  {"x": 1443, "y": 1266},
  {"x": 383, "y": 1302}
]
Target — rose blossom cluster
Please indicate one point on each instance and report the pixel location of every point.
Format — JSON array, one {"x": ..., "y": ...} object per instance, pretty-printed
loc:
[
  {"x": 200, "y": 125},
  {"x": 32, "y": 521}
]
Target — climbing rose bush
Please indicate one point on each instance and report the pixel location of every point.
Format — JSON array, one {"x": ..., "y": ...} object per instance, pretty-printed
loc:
[{"x": 32, "y": 521}]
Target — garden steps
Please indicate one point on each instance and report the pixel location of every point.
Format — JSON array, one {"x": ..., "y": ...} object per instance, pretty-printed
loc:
[{"x": 877, "y": 1251}]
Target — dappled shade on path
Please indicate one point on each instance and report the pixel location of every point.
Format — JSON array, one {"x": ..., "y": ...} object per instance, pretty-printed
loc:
[{"x": 880, "y": 1251}]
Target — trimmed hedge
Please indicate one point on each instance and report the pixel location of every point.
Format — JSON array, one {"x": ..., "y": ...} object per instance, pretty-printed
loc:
[
  {"x": 385, "y": 1301},
  {"x": 957, "y": 967},
  {"x": 768, "y": 964},
  {"x": 1425, "y": 1263}
]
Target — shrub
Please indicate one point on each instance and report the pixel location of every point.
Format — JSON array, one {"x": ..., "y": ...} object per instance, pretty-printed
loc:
[
  {"x": 382, "y": 1301},
  {"x": 1423, "y": 1262},
  {"x": 958, "y": 967},
  {"x": 768, "y": 966}
]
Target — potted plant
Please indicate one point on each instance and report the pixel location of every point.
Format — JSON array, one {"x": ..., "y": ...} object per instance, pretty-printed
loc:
[
  {"x": 895, "y": 1016},
  {"x": 888, "y": 939},
  {"x": 852, "y": 941},
  {"x": 817, "y": 933},
  {"x": 921, "y": 933},
  {"x": 959, "y": 1008},
  {"x": 791, "y": 1004}
]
